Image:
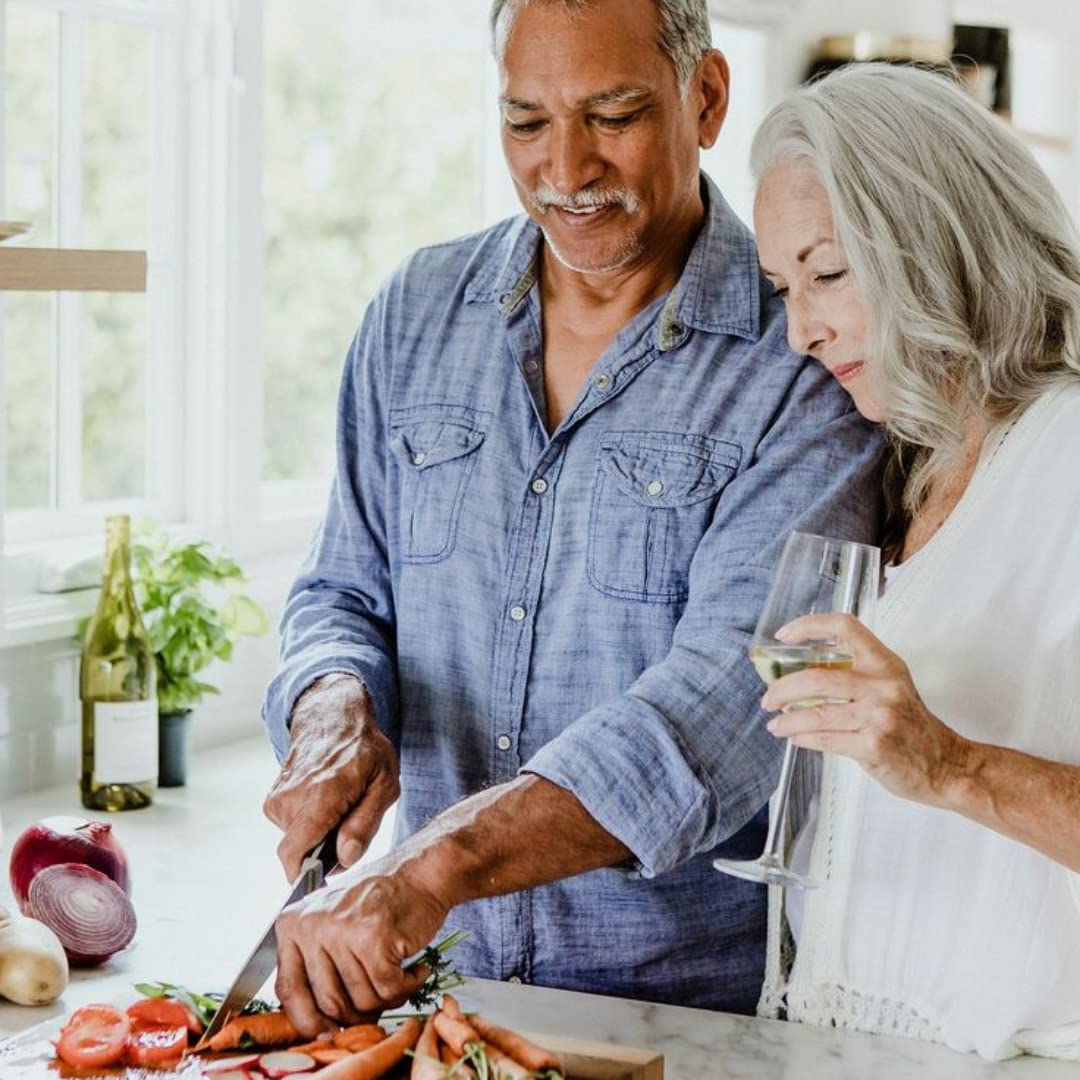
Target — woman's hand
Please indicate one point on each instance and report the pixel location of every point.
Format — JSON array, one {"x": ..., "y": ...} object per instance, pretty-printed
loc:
[{"x": 878, "y": 720}]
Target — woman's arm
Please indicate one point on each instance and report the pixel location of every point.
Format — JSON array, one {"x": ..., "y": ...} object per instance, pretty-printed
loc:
[{"x": 877, "y": 718}]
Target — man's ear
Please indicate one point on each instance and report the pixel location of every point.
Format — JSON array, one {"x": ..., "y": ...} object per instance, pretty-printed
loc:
[{"x": 713, "y": 78}]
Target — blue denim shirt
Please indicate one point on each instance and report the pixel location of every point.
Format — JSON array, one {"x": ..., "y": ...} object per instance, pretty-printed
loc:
[{"x": 578, "y": 605}]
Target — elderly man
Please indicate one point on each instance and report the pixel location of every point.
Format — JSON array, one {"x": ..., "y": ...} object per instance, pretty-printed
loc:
[{"x": 570, "y": 448}]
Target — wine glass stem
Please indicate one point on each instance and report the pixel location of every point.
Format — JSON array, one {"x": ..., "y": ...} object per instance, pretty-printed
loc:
[{"x": 777, "y": 820}]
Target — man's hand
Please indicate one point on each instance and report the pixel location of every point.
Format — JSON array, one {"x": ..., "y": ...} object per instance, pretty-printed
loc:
[
  {"x": 341, "y": 950},
  {"x": 340, "y": 768}
]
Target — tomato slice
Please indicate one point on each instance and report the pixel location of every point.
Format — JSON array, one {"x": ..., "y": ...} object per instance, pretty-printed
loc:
[
  {"x": 95, "y": 1036},
  {"x": 163, "y": 1012},
  {"x": 156, "y": 1045}
]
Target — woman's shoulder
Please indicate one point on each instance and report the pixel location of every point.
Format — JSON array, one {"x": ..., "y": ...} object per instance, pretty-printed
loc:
[
  {"x": 1035, "y": 463},
  {"x": 1049, "y": 427}
]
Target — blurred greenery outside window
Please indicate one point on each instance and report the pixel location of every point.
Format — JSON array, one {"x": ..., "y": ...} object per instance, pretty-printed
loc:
[
  {"x": 373, "y": 146},
  {"x": 75, "y": 364}
]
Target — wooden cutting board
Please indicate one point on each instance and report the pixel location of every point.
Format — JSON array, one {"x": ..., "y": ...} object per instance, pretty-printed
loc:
[{"x": 30, "y": 1056}]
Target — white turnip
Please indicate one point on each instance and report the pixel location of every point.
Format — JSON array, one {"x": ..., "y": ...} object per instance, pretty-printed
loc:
[{"x": 33, "y": 967}]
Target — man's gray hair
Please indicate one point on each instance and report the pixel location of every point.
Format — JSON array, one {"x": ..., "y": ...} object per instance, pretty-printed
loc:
[
  {"x": 963, "y": 254},
  {"x": 685, "y": 31}
]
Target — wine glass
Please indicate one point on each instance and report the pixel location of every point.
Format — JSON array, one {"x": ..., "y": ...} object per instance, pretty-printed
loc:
[{"x": 816, "y": 576}]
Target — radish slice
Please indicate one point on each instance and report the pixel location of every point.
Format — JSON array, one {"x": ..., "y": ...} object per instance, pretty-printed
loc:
[
  {"x": 242, "y": 1063},
  {"x": 88, "y": 912},
  {"x": 285, "y": 1063}
]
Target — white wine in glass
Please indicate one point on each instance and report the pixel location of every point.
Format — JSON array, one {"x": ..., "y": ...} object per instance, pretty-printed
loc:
[{"x": 816, "y": 576}]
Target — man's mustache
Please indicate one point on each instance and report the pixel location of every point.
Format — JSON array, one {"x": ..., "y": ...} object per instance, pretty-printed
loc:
[{"x": 544, "y": 198}]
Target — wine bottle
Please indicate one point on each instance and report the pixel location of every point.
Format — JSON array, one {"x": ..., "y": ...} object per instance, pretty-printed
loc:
[{"x": 117, "y": 684}]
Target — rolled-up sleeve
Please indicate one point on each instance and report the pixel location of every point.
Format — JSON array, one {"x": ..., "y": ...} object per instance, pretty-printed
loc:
[
  {"x": 682, "y": 760},
  {"x": 339, "y": 613}
]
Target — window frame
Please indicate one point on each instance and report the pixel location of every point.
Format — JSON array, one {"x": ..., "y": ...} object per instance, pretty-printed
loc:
[{"x": 69, "y": 515}]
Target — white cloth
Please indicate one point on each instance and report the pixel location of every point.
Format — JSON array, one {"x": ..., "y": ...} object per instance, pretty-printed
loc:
[{"x": 927, "y": 924}]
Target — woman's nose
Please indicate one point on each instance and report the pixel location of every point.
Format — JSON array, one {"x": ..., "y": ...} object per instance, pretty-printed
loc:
[{"x": 806, "y": 331}]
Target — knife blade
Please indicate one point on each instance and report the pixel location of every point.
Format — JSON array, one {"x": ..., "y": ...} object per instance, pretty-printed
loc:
[{"x": 314, "y": 870}]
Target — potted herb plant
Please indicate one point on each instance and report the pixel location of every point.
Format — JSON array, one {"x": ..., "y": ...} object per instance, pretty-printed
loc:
[{"x": 191, "y": 605}]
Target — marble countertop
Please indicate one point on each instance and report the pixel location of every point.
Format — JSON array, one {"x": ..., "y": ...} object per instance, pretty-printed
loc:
[{"x": 206, "y": 882}]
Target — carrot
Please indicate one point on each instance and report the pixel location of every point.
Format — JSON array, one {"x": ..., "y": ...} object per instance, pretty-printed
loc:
[
  {"x": 263, "y": 1029},
  {"x": 454, "y": 1066},
  {"x": 328, "y": 1055},
  {"x": 451, "y": 1007},
  {"x": 359, "y": 1036},
  {"x": 376, "y": 1060},
  {"x": 426, "y": 1064},
  {"x": 309, "y": 1047},
  {"x": 459, "y": 1034},
  {"x": 517, "y": 1047}
]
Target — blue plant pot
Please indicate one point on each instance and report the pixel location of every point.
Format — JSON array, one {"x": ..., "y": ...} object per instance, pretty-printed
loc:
[{"x": 172, "y": 748}]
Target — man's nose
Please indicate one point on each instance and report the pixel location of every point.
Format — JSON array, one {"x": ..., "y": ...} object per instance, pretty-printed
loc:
[
  {"x": 806, "y": 332},
  {"x": 573, "y": 162}
]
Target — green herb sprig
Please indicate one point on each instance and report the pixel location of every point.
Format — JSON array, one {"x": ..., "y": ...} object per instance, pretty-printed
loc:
[
  {"x": 443, "y": 977},
  {"x": 204, "y": 1006}
]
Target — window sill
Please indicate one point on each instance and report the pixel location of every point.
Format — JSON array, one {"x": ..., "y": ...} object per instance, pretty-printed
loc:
[{"x": 32, "y": 619}]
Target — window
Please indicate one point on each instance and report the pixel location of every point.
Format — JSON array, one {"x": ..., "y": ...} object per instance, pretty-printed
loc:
[
  {"x": 84, "y": 163},
  {"x": 373, "y": 145}
]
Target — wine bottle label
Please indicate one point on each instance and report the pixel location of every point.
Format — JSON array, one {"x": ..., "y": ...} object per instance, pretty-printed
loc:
[{"x": 125, "y": 742}]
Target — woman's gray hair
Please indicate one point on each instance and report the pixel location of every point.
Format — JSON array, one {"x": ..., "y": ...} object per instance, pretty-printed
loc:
[
  {"x": 963, "y": 254},
  {"x": 685, "y": 30}
]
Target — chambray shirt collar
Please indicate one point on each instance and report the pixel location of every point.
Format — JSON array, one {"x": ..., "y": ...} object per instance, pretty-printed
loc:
[{"x": 718, "y": 292}]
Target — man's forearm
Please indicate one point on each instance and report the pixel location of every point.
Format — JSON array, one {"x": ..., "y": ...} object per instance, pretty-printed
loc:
[{"x": 518, "y": 835}]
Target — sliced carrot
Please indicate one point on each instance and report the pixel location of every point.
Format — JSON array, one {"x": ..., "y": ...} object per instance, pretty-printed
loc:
[
  {"x": 328, "y": 1055},
  {"x": 263, "y": 1029},
  {"x": 359, "y": 1036},
  {"x": 376, "y": 1060},
  {"x": 517, "y": 1047}
]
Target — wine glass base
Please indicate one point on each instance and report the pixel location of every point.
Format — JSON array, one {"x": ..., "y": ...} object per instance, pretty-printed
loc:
[{"x": 767, "y": 870}]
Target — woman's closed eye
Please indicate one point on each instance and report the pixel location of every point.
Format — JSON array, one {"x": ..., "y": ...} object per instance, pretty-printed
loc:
[{"x": 826, "y": 279}]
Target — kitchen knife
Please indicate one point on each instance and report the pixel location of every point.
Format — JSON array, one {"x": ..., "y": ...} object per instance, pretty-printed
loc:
[{"x": 314, "y": 870}]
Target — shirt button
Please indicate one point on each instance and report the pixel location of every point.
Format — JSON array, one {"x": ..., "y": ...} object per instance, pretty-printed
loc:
[
  {"x": 515, "y": 979},
  {"x": 503, "y": 742},
  {"x": 539, "y": 486},
  {"x": 532, "y": 367},
  {"x": 602, "y": 381},
  {"x": 655, "y": 488},
  {"x": 517, "y": 613},
  {"x": 419, "y": 459}
]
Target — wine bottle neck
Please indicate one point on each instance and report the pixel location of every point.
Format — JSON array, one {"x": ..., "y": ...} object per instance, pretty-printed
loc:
[{"x": 117, "y": 575}]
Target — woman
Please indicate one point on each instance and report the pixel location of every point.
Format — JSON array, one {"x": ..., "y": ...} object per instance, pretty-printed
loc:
[{"x": 927, "y": 262}]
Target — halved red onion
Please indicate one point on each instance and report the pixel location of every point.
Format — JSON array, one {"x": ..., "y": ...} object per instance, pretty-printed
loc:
[
  {"x": 65, "y": 840},
  {"x": 88, "y": 912}
]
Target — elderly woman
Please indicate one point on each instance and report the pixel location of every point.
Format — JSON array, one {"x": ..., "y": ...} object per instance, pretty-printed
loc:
[{"x": 927, "y": 262}]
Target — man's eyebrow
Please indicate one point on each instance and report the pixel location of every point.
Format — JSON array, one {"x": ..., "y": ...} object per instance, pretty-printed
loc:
[
  {"x": 618, "y": 95},
  {"x": 518, "y": 104}
]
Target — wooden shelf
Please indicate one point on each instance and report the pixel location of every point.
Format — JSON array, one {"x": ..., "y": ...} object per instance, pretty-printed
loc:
[{"x": 71, "y": 269}]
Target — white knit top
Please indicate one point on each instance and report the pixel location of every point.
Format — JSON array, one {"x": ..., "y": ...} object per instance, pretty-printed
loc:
[{"x": 927, "y": 924}]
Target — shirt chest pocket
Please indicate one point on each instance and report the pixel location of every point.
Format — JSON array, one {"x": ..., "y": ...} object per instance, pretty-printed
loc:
[
  {"x": 653, "y": 499},
  {"x": 436, "y": 454}
]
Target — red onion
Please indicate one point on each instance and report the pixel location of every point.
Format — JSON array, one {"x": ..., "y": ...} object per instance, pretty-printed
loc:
[
  {"x": 66, "y": 840},
  {"x": 89, "y": 913}
]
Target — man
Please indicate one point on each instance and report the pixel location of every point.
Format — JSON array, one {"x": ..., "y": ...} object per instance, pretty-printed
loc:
[{"x": 571, "y": 448}]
